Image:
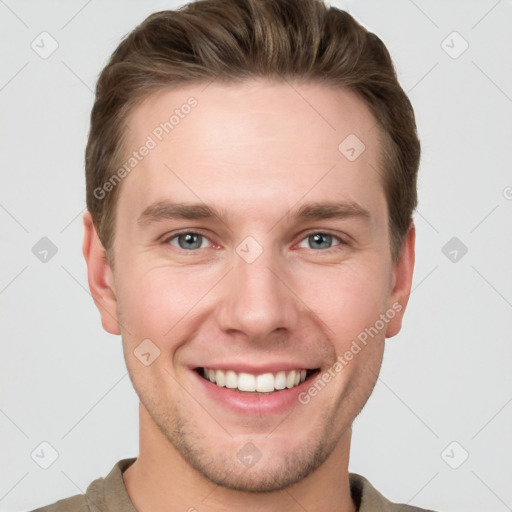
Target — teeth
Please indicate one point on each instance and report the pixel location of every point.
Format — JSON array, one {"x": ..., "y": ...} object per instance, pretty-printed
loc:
[
  {"x": 246, "y": 382},
  {"x": 219, "y": 378},
  {"x": 280, "y": 380},
  {"x": 231, "y": 379},
  {"x": 290, "y": 379},
  {"x": 264, "y": 383}
]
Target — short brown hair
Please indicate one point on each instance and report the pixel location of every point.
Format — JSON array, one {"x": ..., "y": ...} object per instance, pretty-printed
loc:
[{"x": 233, "y": 40}]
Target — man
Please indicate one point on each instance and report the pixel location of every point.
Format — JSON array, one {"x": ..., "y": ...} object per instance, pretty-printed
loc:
[{"x": 251, "y": 178}]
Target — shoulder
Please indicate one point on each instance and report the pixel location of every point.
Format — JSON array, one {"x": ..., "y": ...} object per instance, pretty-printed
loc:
[
  {"x": 76, "y": 503},
  {"x": 105, "y": 494},
  {"x": 369, "y": 499}
]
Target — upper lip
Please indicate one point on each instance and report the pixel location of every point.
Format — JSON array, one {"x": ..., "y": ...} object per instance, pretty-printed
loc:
[{"x": 256, "y": 369}]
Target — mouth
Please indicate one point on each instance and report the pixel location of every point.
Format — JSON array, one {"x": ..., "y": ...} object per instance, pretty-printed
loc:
[{"x": 261, "y": 384}]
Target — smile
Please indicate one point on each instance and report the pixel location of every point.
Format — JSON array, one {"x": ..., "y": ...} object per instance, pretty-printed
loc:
[{"x": 263, "y": 383}]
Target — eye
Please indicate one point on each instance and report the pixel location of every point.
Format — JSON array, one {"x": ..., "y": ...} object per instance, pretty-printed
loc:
[
  {"x": 320, "y": 240},
  {"x": 190, "y": 241},
  {"x": 187, "y": 240}
]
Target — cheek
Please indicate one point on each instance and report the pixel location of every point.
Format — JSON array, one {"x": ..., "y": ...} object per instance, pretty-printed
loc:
[
  {"x": 151, "y": 304},
  {"x": 349, "y": 300},
  {"x": 150, "y": 307},
  {"x": 162, "y": 304},
  {"x": 158, "y": 302}
]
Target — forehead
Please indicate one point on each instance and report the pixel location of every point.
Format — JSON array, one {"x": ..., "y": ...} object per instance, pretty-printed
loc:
[
  {"x": 270, "y": 111},
  {"x": 252, "y": 142}
]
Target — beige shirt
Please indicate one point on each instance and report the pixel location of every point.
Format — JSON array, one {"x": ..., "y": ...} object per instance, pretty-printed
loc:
[{"x": 109, "y": 495}]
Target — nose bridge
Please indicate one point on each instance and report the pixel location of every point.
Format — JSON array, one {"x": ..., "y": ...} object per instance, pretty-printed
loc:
[{"x": 256, "y": 302}]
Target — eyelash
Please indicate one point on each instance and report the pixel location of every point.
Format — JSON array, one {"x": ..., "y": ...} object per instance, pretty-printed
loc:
[{"x": 341, "y": 241}]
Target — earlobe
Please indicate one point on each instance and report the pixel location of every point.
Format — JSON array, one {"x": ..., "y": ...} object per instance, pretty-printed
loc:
[
  {"x": 100, "y": 277},
  {"x": 402, "y": 280}
]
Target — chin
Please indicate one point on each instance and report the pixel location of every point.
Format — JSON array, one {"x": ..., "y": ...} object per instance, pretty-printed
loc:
[
  {"x": 245, "y": 467},
  {"x": 271, "y": 474}
]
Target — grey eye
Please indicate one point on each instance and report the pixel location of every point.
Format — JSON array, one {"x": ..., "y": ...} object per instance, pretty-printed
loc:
[
  {"x": 188, "y": 240},
  {"x": 319, "y": 241}
]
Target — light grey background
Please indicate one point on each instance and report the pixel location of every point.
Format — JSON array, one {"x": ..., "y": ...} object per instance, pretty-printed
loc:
[{"x": 445, "y": 378}]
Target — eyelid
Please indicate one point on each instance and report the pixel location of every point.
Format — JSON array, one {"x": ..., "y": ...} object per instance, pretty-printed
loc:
[
  {"x": 323, "y": 232},
  {"x": 166, "y": 239},
  {"x": 341, "y": 239}
]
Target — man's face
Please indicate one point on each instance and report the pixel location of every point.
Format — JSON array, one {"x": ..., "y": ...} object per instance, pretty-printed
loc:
[{"x": 257, "y": 290}]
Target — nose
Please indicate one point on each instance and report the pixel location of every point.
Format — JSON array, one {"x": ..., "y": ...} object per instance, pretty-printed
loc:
[{"x": 258, "y": 302}]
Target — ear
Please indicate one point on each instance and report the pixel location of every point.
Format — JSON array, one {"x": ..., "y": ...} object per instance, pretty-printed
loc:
[
  {"x": 100, "y": 277},
  {"x": 401, "y": 284}
]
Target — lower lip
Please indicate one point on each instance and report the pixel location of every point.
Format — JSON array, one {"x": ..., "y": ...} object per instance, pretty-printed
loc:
[{"x": 256, "y": 404}]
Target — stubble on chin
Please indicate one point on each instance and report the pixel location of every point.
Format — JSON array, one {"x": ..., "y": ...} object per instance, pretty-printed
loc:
[{"x": 217, "y": 460}]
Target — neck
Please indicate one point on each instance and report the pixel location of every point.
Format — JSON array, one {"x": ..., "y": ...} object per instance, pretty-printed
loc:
[{"x": 160, "y": 480}]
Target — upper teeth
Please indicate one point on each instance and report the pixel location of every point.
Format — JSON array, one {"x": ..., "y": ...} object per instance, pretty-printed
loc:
[{"x": 264, "y": 383}]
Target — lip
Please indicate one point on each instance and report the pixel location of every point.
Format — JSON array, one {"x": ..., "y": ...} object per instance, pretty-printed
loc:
[{"x": 254, "y": 404}]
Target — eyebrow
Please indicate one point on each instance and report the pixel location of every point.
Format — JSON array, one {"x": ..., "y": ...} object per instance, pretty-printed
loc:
[{"x": 167, "y": 210}]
